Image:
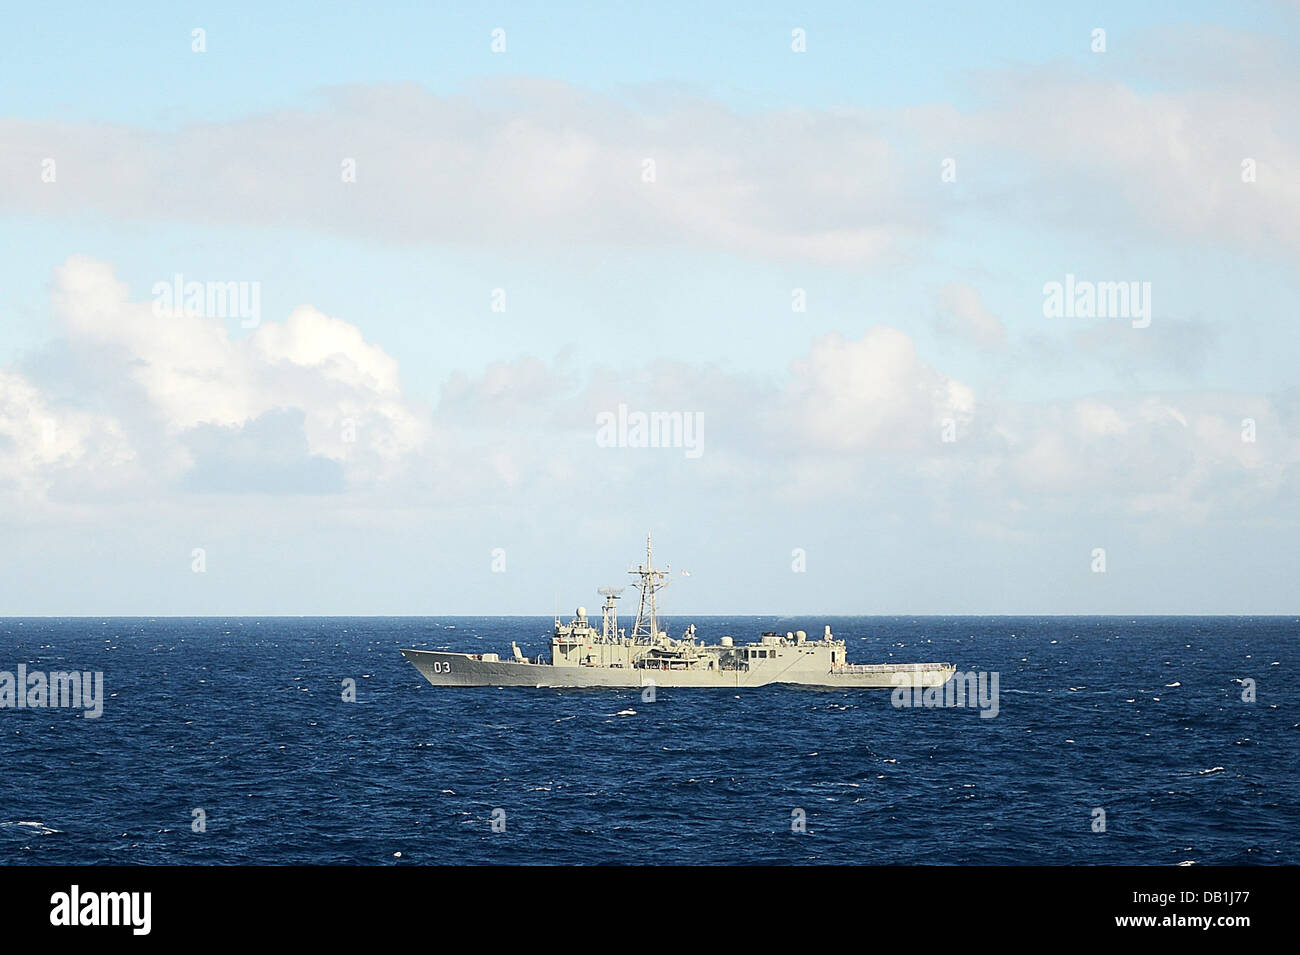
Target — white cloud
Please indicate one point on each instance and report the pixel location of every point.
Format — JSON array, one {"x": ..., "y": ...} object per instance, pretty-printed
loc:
[
  {"x": 514, "y": 162},
  {"x": 873, "y": 394},
  {"x": 202, "y": 410},
  {"x": 190, "y": 373},
  {"x": 335, "y": 348},
  {"x": 1107, "y": 156},
  {"x": 963, "y": 311},
  {"x": 44, "y": 444},
  {"x": 529, "y": 161}
]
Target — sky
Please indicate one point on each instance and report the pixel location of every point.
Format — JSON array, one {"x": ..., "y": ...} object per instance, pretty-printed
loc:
[{"x": 446, "y": 258}]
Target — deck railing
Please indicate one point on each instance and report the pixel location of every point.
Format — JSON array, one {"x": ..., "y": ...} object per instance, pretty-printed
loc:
[{"x": 886, "y": 667}]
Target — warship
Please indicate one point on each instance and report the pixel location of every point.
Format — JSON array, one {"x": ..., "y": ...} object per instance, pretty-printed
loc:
[{"x": 586, "y": 655}]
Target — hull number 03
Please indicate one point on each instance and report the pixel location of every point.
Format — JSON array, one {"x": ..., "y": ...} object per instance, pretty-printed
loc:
[{"x": 441, "y": 667}]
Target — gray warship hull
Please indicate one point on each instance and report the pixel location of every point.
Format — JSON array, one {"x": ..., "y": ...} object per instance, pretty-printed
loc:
[{"x": 463, "y": 669}]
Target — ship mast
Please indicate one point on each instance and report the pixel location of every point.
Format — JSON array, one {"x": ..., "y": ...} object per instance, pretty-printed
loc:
[
  {"x": 609, "y": 614},
  {"x": 649, "y": 581}
]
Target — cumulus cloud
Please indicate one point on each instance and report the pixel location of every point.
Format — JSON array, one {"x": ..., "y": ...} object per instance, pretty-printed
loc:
[
  {"x": 268, "y": 455},
  {"x": 308, "y": 396},
  {"x": 867, "y": 415},
  {"x": 307, "y": 405},
  {"x": 1190, "y": 456},
  {"x": 45, "y": 444},
  {"x": 873, "y": 394}
]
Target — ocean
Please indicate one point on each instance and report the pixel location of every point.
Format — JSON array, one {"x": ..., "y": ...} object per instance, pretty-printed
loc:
[{"x": 229, "y": 741}]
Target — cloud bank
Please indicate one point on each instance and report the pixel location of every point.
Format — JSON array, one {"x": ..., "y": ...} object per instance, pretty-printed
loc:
[{"x": 177, "y": 404}]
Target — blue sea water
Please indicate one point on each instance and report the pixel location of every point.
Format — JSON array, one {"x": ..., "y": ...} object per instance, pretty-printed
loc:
[{"x": 244, "y": 719}]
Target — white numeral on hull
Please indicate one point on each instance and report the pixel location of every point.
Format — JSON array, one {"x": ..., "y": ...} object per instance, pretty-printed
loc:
[{"x": 440, "y": 667}]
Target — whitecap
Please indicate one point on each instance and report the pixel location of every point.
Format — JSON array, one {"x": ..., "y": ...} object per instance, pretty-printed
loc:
[{"x": 37, "y": 827}]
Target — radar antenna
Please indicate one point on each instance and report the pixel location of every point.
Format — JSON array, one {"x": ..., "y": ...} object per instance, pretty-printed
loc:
[{"x": 609, "y": 613}]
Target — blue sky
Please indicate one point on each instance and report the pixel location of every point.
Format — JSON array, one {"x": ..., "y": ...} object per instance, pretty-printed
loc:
[
  {"x": 126, "y": 64},
  {"x": 127, "y": 442}
]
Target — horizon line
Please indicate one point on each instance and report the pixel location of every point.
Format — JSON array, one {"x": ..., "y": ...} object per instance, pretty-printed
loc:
[{"x": 525, "y": 616}]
